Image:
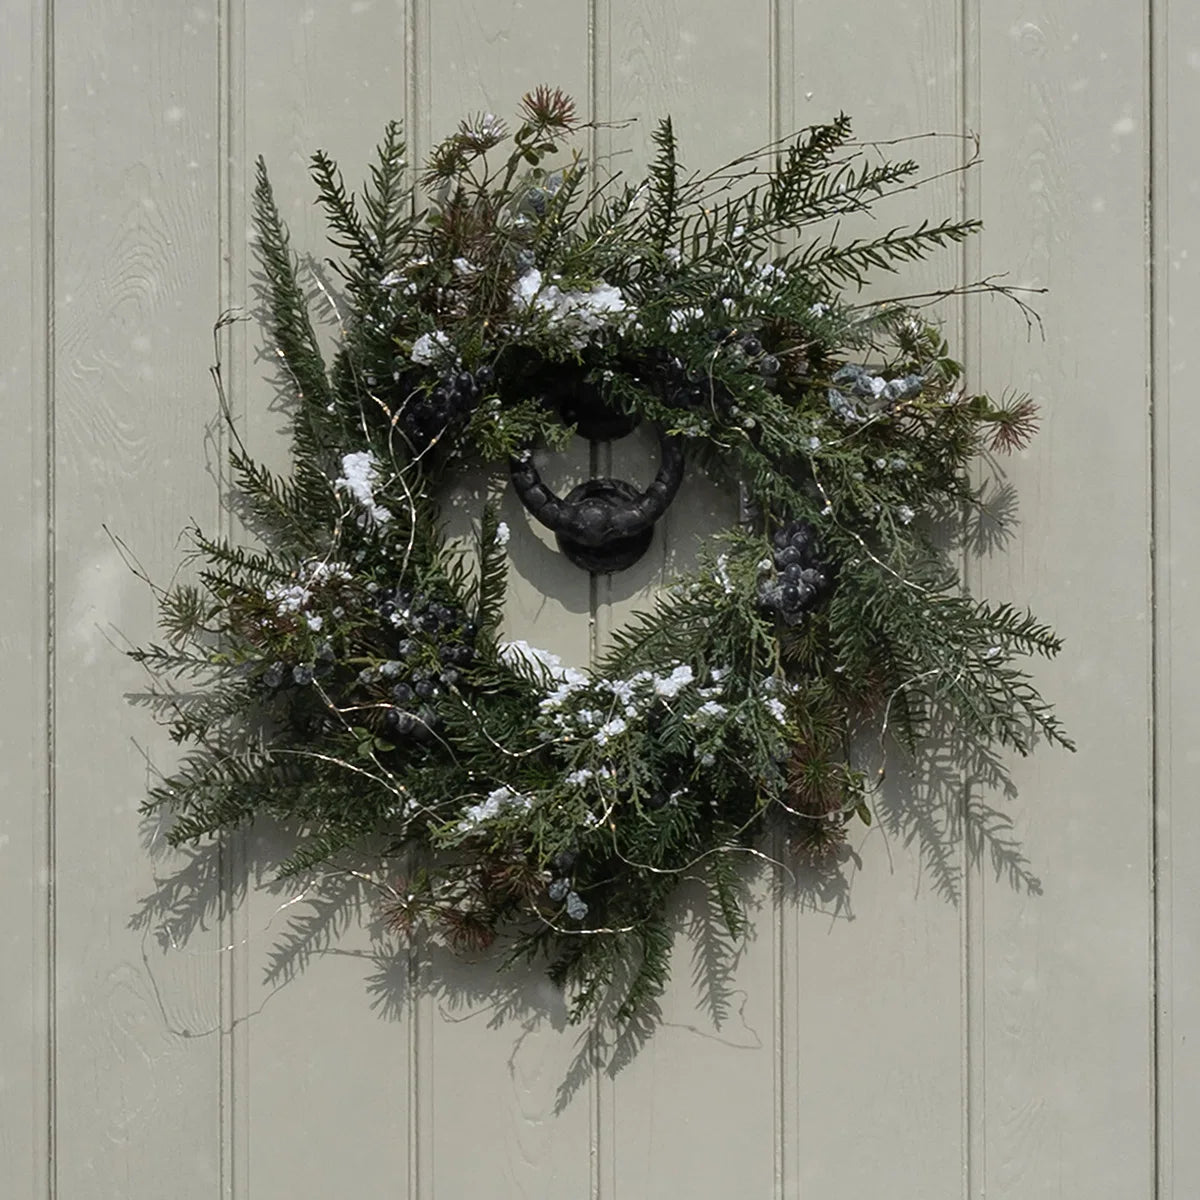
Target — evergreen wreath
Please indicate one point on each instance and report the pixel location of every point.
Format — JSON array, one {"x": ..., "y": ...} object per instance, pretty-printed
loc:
[{"x": 347, "y": 672}]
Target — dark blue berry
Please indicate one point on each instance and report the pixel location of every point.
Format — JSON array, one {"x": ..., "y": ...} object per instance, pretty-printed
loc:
[
  {"x": 564, "y": 860},
  {"x": 399, "y": 721}
]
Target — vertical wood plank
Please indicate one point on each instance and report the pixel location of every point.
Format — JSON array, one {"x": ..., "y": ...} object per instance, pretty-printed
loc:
[
  {"x": 228, "y": 855},
  {"x": 708, "y": 66},
  {"x": 26, "y": 143},
  {"x": 1067, "y": 1092},
  {"x": 1175, "y": 183},
  {"x": 872, "y": 978},
  {"x": 498, "y": 1060},
  {"x": 322, "y": 1040},
  {"x": 134, "y": 285}
]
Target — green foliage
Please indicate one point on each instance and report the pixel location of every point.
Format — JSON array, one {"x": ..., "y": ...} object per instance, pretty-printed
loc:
[{"x": 348, "y": 672}]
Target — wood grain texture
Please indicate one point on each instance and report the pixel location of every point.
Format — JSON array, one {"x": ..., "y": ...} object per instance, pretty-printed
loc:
[
  {"x": 26, "y": 1026},
  {"x": 322, "y": 1033},
  {"x": 1067, "y": 1036},
  {"x": 135, "y": 283}
]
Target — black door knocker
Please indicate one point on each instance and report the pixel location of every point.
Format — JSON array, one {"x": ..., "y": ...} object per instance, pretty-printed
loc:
[{"x": 602, "y": 525}]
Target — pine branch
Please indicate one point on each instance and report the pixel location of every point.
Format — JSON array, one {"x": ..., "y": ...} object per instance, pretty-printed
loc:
[
  {"x": 289, "y": 323},
  {"x": 851, "y": 262},
  {"x": 661, "y": 210}
]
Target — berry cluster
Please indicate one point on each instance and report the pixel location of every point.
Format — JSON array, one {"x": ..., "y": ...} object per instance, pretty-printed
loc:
[
  {"x": 561, "y": 889},
  {"x": 698, "y": 389},
  {"x": 692, "y": 388},
  {"x": 435, "y": 644},
  {"x": 427, "y": 413},
  {"x": 801, "y": 579},
  {"x": 749, "y": 347}
]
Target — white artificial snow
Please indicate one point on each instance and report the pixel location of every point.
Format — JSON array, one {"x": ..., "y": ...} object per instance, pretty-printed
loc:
[
  {"x": 291, "y": 598},
  {"x": 322, "y": 571},
  {"x": 670, "y": 686},
  {"x": 492, "y": 806},
  {"x": 575, "y": 682},
  {"x": 610, "y": 730},
  {"x": 723, "y": 574},
  {"x": 287, "y": 597},
  {"x": 502, "y": 534},
  {"x": 568, "y": 679},
  {"x": 429, "y": 347},
  {"x": 579, "y": 313},
  {"x": 360, "y": 474},
  {"x": 905, "y": 513},
  {"x": 710, "y": 710},
  {"x": 521, "y": 653}
]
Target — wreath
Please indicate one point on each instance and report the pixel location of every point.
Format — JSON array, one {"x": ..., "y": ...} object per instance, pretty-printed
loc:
[{"x": 347, "y": 671}]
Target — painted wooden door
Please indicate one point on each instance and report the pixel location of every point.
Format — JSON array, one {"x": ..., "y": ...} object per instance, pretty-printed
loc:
[{"x": 176, "y": 1026}]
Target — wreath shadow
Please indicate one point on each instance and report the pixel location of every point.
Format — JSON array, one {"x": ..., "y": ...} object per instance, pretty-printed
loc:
[{"x": 936, "y": 806}]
